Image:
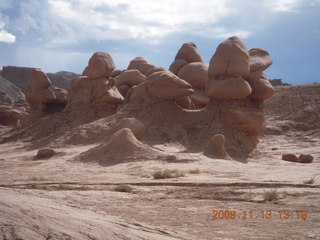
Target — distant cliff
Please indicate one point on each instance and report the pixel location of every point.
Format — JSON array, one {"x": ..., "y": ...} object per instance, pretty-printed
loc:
[{"x": 20, "y": 76}]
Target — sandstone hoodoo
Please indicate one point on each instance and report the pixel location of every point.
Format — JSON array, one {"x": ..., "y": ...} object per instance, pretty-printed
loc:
[{"x": 188, "y": 104}]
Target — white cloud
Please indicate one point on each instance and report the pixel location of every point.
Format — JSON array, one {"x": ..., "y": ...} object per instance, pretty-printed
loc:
[
  {"x": 284, "y": 5},
  {"x": 5, "y": 36}
]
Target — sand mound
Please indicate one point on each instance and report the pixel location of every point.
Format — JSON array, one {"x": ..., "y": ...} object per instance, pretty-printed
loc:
[{"x": 122, "y": 146}]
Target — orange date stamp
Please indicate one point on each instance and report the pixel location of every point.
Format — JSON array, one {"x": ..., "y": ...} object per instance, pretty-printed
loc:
[{"x": 258, "y": 214}]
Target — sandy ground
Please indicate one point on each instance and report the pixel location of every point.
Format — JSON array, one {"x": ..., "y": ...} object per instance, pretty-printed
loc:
[{"x": 61, "y": 198}]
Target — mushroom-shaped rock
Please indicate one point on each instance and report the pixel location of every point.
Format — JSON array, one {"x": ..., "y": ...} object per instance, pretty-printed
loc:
[
  {"x": 177, "y": 65},
  {"x": 231, "y": 58},
  {"x": 260, "y": 85},
  {"x": 195, "y": 73},
  {"x": 216, "y": 147},
  {"x": 153, "y": 70},
  {"x": 229, "y": 88},
  {"x": 45, "y": 153},
  {"x": 189, "y": 52},
  {"x": 166, "y": 85},
  {"x": 305, "y": 158},
  {"x": 135, "y": 125},
  {"x": 100, "y": 65},
  {"x": 130, "y": 78},
  {"x": 260, "y": 59},
  {"x": 79, "y": 92},
  {"x": 135, "y": 63},
  {"x": 37, "y": 93},
  {"x": 290, "y": 157}
]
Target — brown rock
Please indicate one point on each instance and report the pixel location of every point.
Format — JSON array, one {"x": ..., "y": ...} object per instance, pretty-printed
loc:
[
  {"x": 123, "y": 89},
  {"x": 199, "y": 98},
  {"x": 216, "y": 147},
  {"x": 11, "y": 116},
  {"x": 290, "y": 158},
  {"x": 166, "y": 85},
  {"x": 136, "y": 126},
  {"x": 144, "y": 67},
  {"x": 37, "y": 91},
  {"x": 135, "y": 63},
  {"x": 231, "y": 58},
  {"x": 189, "y": 52},
  {"x": 61, "y": 95},
  {"x": 130, "y": 78},
  {"x": 116, "y": 73},
  {"x": 229, "y": 88},
  {"x": 260, "y": 85},
  {"x": 195, "y": 73},
  {"x": 153, "y": 70},
  {"x": 259, "y": 59},
  {"x": 177, "y": 65},
  {"x": 185, "y": 102},
  {"x": 45, "y": 153},
  {"x": 305, "y": 158},
  {"x": 100, "y": 65}
]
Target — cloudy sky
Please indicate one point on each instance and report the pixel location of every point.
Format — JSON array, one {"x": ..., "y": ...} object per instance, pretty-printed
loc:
[{"x": 59, "y": 35}]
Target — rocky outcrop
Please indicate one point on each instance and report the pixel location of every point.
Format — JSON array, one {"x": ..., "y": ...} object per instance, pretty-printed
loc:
[
  {"x": 20, "y": 76},
  {"x": 215, "y": 148},
  {"x": 11, "y": 116}
]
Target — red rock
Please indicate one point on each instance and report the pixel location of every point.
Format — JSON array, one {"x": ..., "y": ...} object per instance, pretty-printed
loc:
[{"x": 290, "y": 158}]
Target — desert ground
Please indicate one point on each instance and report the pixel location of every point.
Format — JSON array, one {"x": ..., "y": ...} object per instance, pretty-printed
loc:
[{"x": 64, "y": 198}]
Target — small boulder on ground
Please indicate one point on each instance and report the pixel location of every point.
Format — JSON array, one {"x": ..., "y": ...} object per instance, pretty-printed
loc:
[
  {"x": 45, "y": 153},
  {"x": 305, "y": 158},
  {"x": 290, "y": 157}
]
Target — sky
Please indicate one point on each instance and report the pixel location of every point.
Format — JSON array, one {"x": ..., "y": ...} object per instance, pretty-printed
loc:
[{"x": 57, "y": 35}]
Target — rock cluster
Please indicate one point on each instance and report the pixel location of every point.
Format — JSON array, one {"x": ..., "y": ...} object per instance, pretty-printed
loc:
[
  {"x": 303, "y": 158},
  {"x": 40, "y": 96}
]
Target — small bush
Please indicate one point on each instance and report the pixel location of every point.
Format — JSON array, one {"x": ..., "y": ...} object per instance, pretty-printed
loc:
[
  {"x": 167, "y": 173},
  {"x": 123, "y": 188},
  {"x": 194, "y": 171},
  {"x": 271, "y": 195},
  {"x": 310, "y": 181}
]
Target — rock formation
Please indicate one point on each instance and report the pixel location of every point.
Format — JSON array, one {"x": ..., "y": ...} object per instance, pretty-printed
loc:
[{"x": 216, "y": 147}]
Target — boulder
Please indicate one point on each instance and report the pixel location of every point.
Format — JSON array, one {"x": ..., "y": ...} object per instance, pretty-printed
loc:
[
  {"x": 195, "y": 73},
  {"x": 61, "y": 95},
  {"x": 11, "y": 116},
  {"x": 130, "y": 78},
  {"x": 135, "y": 63},
  {"x": 166, "y": 85},
  {"x": 189, "y": 52},
  {"x": 215, "y": 148},
  {"x": 177, "y": 65},
  {"x": 135, "y": 125},
  {"x": 260, "y": 59},
  {"x": 123, "y": 89},
  {"x": 231, "y": 58},
  {"x": 37, "y": 93},
  {"x": 144, "y": 67},
  {"x": 199, "y": 98},
  {"x": 100, "y": 65},
  {"x": 290, "y": 158},
  {"x": 305, "y": 158},
  {"x": 229, "y": 88},
  {"x": 153, "y": 70},
  {"x": 260, "y": 85},
  {"x": 45, "y": 153},
  {"x": 116, "y": 73}
]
